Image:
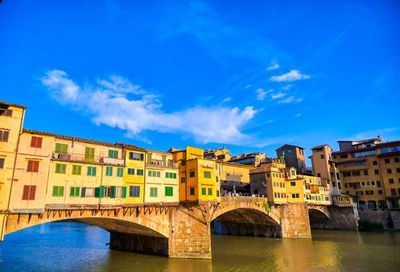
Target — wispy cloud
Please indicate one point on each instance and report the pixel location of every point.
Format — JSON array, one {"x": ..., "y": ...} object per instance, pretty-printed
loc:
[
  {"x": 227, "y": 99},
  {"x": 274, "y": 65},
  {"x": 261, "y": 94},
  {"x": 298, "y": 115},
  {"x": 118, "y": 103},
  {"x": 287, "y": 87},
  {"x": 277, "y": 95},
  {"x": 290, "y": 76},
  {"x": 290, "y": 99}
]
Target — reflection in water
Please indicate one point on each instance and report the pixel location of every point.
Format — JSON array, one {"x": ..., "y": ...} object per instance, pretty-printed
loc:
[{"x": 79, "y": 247}]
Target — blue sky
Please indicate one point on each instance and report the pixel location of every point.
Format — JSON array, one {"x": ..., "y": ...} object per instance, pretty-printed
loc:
[{"x": 248, "y": 75}]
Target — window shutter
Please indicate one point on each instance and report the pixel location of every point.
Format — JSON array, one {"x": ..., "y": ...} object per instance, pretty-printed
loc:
[
  {"x": 141, "y": 157},
  {"x": 36, "y": 166},
  {"x": 30, "y": 167},
  {"x": 5, "y": 135},
  {"x": 32, "y": 192},
  {"x": 39, "y": 142},
  {"x": 149, "y": 158},
  {"x": 72, "y": 191},
  {"x": 113, "y": 191},
  {"x": 102, "y": 191},
  {"x": 33, "y": 141},
  {"x": 97, "y": 192},
  {"x": 58, "y": 148},
  {"x": 61, "y": 190},
  {"x": 110, "y": 154},
  {"x": 83, "y": 191},
  {"x": 123, "y": 192},
  {"x": 25, "y": 194}
]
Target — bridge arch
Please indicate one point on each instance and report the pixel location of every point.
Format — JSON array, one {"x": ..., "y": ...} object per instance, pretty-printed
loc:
[
  {"x": 318, "y": 216},
  {"x": 251, "y": 218}
]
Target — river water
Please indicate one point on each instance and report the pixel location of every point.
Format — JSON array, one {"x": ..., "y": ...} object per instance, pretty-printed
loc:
[{"x": 70, "y": 246}]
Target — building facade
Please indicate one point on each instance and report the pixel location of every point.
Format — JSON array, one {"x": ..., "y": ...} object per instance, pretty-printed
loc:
[
  {"x": 220, "y": 154},
  {"x": 293, "y": 156},
  {"x": 253, "y": 159}
]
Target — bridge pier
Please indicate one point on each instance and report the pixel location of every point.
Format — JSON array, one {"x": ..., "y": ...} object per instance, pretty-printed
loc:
[{"x": 295, "y": 221}]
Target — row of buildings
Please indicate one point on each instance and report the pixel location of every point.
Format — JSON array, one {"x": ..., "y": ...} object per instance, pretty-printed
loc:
[{"x": 41, "y": 170}]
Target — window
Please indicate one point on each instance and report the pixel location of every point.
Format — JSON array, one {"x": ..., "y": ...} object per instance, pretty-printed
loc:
[
  {"x": 153, "y": 173},
  {"x": 168, "y": 191},
  {"x": 389, "y": 171},
  {"x": 139, "y": 172},
  {"x": 113, "y": 154},
  {"x": 293, "y": 183},
  {"x": 4, "y": 135},
  {"x": 387, "y": 160},
  {"x": 191, "y": 174},
  {"x": 322, "y": 156},
  {"x": 36, "y": 142},
  {"x": 207, "y": 174},
  {"x": 365, "y": 172},
  {"x": 88, "y": 192},
  {"x": 33, "y": 166},
  {"x": 373, "y": 183},
  {"x": 29, "y": 192},
  {"x": 380, "y": 192},
  {"x": 109, "y": 171},
  {"x": 356, "y": 173},
  {"x": 131, "y": 171},
  {"x": 6, "y": 112},
  {"x": 374, "y": 162},
  {"x": 393, "y": 192},
  {"x": 136, "y": 156},
  {"x": 74, "y": 192},
  {"x": 318, "y": 175},
  {"x": 369, "y": 192},
  {"x": 153, "y": 191},
  {"x": 191, "y": 190},
  {"x": 134, "y": 191},
  {"x": 210, "y": 191},
  {"x": 217, "y": 193},
  {"x": 76, "y": 169},
  {"x": 170, "y": 175},
  {"x": 120, "y": 172},
  {"x": 384, "y": 150},
  {"x": 391, "y": 181},
  {"x": 58, "y": 191},
  {"x": 396, "y": 159},
  {"x": 378, "y": 183},
  {"x": 398, "y": 170},
  {"x": 182, "y": 180},
  {"x": 376, "y": 171},
  {"x": 2, "y": 163},
  {"x": 203, "y": 191},
  {"x": 293, "y": 196},
  {"x": 61, "y": 168},
  {"x": 61, "y": 148},
  {"x": 353, "y": 155},
  {"x": 89, "y": 154},
  {"x": 91, "y": 171},
  {"x": 108, "y": 191},
  {"x": 293, "y": 173}
]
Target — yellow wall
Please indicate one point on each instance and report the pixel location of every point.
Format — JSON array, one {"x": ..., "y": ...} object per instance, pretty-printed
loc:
[
  {"x": 134, "y": 180},
  {"x": 8, "y": 149},
  {"x": 163, "y": 164},
  {"x": 24, "y": 178},
  {"x": 233, "y": 172}
]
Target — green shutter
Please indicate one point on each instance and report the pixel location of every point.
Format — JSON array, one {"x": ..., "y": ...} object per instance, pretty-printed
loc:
[
  {"x": 203, "y": 191},
  {"x": 168, "y": 191},
  {"x": 158, "y": 174},
  {"x": 83, "y": 191},
  {"x": 110, "y": 153},
  {"x": 58, "y": 167},
  {"x": 113, "y": 191},
  {"x": 174, "y": 175},
  {"x": 109, "y": 171},
  {"x": 89, "y": 154},
  {"x": 120, "y": 172},
  {"x": 209, "y": 191},
  {"x": 61, "y": 191},
  {"x": 97, "y": 192},
  {"x": 123, "y": 192},
  {"x": 164, "y": 160},
  {"x": 102, "y": 191},
  {"x": 72, "y": 191},
  {"x": 148, "y": 158},
  {"x": 55, "y": 191},
  {"x": 58, "y": 148}
]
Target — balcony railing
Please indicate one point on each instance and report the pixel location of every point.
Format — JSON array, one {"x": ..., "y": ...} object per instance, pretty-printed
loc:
[
  {"x": 169, "y": 163},
  {"x": 83, "y": 158}
]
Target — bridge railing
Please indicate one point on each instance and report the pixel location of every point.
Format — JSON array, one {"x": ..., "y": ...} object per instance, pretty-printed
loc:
[{"x": 248, "y": 199}]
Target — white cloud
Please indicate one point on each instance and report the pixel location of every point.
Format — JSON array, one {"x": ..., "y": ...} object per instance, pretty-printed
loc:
[
  {"x": 277, "y": 95},
  {"x": 261, "y": 93},
  {"x": 108, "y": 104},
  {"x": 270, "y": 121},
  {"x": 298, "y": 115},
  {"x": 248, "y": 86},
  {"x": 287, "y": 87},
  {"x": 291, "y": 76},
  {"x": 290, "y": 99},
  {"x": 274, "y": 65},
  {"x": 227, "y": 99}
]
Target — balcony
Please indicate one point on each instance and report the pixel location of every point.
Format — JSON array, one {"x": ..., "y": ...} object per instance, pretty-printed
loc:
[
  {"x": 83, "y": 158},
  {"x": 167, "y": 164}
]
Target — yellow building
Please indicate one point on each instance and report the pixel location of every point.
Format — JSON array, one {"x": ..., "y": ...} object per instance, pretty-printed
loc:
[
  {"x": 31, "y": 172},
  {"x": 161, "y": 178},
  {"x": 84, "y": 173},
  {"x": 316, "y": 191},
  {"x": 198, "y": 177},
  {"x": 295, "y": 189},
  {"x": 233, "y": 177},
  {"x": 134, "y": 174},
  {"x": 11, "y": 123},
  {"x": 219, "y": 154}
]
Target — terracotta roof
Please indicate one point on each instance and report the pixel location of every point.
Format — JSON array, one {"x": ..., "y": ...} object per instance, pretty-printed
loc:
[
  {"x": 131, "y": 147},
  {"x": 11, "y": 104},
  {"x": 320, "y": 146},
  {"x": 289, "y": 146}
]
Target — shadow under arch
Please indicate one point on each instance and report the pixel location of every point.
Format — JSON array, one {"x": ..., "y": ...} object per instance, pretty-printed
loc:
[
  {"x": 246, "y": 222},
  {"x": 318, "y": 218}
]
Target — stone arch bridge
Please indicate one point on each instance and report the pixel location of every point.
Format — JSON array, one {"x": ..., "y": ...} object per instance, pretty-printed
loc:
[{"x": 181, "y": 231}]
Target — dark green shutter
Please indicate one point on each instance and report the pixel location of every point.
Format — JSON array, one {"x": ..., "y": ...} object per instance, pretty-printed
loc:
[
  {"x": 113, "y": 191},
  {"x": 148, "y": 158},
  {"x": 97, "y": 192},
  {"x": 102, "y": 191},
  {"x": 123, "y": 192},
  {"x": 83, "y": 192}
]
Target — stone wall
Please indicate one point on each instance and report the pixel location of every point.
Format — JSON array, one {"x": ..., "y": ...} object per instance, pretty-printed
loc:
[
  {"x": 295, "y": 222},
  {"x": 390, "y": 219},
  {"x": 247, "y": 229},
  {"x": 340, "y": 218}
]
